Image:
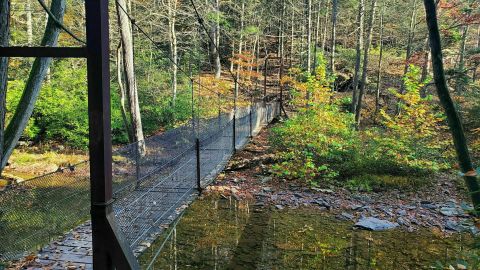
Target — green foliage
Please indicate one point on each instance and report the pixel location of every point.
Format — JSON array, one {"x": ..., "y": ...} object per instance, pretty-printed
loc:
[{"x": 320, "y": 144}]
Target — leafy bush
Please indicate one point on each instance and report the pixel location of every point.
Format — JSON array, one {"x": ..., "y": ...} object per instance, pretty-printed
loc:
[{"x": 320, "y": 143}]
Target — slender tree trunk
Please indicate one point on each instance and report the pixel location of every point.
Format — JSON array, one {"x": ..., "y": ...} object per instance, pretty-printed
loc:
[
  {"x": 358, "y": 59},
  {"x": 474, "y": 77},
  {"x": 461, "y": 63},
  {"x": 4, "y": 42},
  {"x": 317, "y": 37},
  {"x": 425, "y": 68},
  {"x": 40, "y": 66},
  {"x": 172, "y": 36},
  {"x": 240, "y": 43},
  {"x": 363, "y": 85},
  {"x": 309, "y": 36},
  {"x": 334, "y": 35},
  {"x": 216, "y": 38},
  {"x": 292, "y": 36},
  {"x": 325, "y": 28},
  {"x": 130, "y": 81},
  {"x": 380, "y": 60},
  {"x": 28, "y": 7},
  {"x": 453, "y": 118},
  {"x": 123, "y": 94},
  {"x": 232, "y": 66},
  {"x": 411, "y": 36}
]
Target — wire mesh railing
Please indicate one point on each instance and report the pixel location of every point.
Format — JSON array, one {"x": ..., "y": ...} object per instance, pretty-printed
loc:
[{"x": 148, "y": 187}]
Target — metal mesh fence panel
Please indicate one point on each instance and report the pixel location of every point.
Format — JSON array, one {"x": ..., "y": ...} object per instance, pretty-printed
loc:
[
  {"x": 36, "y": 211},
  {"x": 149, "y": 185}
]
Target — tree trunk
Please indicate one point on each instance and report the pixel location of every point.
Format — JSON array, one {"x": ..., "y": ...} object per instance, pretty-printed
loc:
[
  {"x": 425, "y": 68},
  {"x": 474, "y": 77},
  {"x": 358, "y": 60},
  {"x": 380, "y": 59},
  {"x": 240, "y": 43},
  {"x": 130, "y": 81},
  {"x": 325, "y": 29},
  {"x": 4, "y": 42},
  {"x": 216, "y": 38},
  {"x": 28, "y": 7},
  {"x": 358, "y": 112},
  {"x": 309, "y": 37},
  {"x": 411, "y": 36},
  {"x": 172, "y": 37},
  {"x": 30, "y": 94},
  {"x": 317, "y": 36},
  {"x": 334, "y": 35},
  {"x": 453, "y": 118},
  {"x": 123, "y": 94},
  {"x": 459, "y": 85}
]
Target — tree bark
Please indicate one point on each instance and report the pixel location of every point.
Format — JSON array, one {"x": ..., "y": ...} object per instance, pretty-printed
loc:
[
  {"x": 123, "y": 94},
  {"x": 358, "y": 112},
  {"x": 172, "y": 37},
  {"x": 130, "y": 80},
  {"x": 309, "y": 37},
  {"x": 317, "y": 36},
  {"x": 380, "y": 60},
  {"x": 455, "y": 124},
  {"x": 425, "y": 68},
  {"x": 334, "y": 35},
  {"x": 39, "y": 70},
  {"x": 461, "y": 63},
  {"x": 325, "y": 29},
  {"x": 4, "y": 42},
  {"x": 408, "y": 54},
  {"x": 216, "y": 38},
  {"x": 28, "y": 7},
  {"x": 359, "y": 47}
]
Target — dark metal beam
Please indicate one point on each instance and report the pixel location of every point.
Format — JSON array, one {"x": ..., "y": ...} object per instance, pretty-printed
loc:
[
  {"x": 110, "y": 251},
  {"x": 54, "y": 52}
]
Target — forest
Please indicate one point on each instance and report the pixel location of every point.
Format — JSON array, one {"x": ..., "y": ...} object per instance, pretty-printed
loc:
[{"x": 377, "y": 97}]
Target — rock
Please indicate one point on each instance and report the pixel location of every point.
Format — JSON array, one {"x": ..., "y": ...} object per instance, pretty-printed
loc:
[
  {"x": 266, "y": 179},
  {"x": 461, "y": 267},
  {"x": 323, "y": 203},
  {"x": 403, "y": 221},
  {"x": 345, "y": 216},
  {"x": 279, "y": 207},
  {"x": 452, "y": 226},
  {"x": 355, "y": 207},
  {"x": 428, "y": 205},
  {"x": 267, "y": 189},
  {"x": 375, "y": 224},
  {"x": 450, "y": 211},
  {"x": 402, "y": 212}
]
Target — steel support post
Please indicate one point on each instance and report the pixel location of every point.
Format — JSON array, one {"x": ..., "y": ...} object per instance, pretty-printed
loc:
[{"x": 110, "y": 251}]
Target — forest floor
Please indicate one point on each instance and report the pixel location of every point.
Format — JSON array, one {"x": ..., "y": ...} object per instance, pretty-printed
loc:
[{"x": 441, "y": 206}]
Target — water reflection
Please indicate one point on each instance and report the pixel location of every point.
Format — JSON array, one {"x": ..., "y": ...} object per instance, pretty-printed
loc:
[{"x": 219, "y": 233}]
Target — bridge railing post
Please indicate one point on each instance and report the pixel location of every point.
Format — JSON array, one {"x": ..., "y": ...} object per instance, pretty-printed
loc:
[{"x": 198, "y": 171}]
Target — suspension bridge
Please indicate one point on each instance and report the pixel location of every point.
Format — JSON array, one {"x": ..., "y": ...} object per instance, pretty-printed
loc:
[{"x": 118, "y": 202}]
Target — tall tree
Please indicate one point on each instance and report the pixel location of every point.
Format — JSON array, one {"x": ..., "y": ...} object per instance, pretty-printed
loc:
[
  {"x": 4, "y": 42},
  {"x": 410, "y": 38},
  {"x": 215, "y": 34},
  {"x": 461, "y": 62},
  {"x": 334, "y": 35},
  {"x": 172, "y": 37},
  {"x": 454, "y": 122},
  {"x": 39, "y": 70},
  {"x": 361, "y": 93},
  {"x": 380, "y": 61},
  {"x": 125, "y": 28},
  {"x": 309, "y": 35},
  {"x": 358, "y": 58}
]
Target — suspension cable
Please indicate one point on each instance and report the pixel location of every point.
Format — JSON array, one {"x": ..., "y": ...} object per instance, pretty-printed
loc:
[{"x": 58, "y": 23}]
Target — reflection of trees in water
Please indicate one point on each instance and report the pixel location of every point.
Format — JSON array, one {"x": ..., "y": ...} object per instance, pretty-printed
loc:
[{"x": 227, "y": 234}]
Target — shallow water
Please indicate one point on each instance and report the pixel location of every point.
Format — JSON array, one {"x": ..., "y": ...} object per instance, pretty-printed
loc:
[{"x": 225, "y": 234}]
